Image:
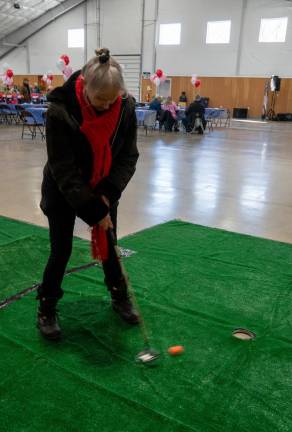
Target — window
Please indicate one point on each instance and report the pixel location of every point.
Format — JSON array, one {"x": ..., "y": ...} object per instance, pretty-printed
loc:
[
  {"x": 218, "y": 32},
  {"x": 76, "y": 38},
  {"x": 169, "y": 34},
  {"x": 273, "y": 30}
]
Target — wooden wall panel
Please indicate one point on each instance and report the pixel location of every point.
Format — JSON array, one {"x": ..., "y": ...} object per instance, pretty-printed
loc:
[
  {"x": 18, "y": 79},
  {"x": 229, "y": 92}
]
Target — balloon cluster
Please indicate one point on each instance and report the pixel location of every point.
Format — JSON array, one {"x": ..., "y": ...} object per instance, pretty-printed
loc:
[
  {"x": 195, "y": 81},
  {"x": 47, "y": 78},
  {"x": 63, "y": 66},
  {"x": 158, "y": 78},
  {"x": 7, "y": 77}
]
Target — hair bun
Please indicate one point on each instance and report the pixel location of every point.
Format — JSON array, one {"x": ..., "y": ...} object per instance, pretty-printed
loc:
[{"x": 103, "y": 55}]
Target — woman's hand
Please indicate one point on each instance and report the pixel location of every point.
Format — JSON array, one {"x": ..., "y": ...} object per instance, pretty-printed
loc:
[{"x": 106, "y": 222}]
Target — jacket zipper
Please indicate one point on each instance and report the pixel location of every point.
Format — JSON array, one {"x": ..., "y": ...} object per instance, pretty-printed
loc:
[
  {"x": 118, "y": 127},
  {"x": 114, "y": 136}
]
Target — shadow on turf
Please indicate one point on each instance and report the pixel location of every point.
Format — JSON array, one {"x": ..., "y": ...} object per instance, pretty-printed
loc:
[{"x": 93, "y": 331}]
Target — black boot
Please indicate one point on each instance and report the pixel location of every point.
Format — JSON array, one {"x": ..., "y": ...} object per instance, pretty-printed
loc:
[
  {"x": 47, "y": 319},
  {"x": 121, "y": 303}
]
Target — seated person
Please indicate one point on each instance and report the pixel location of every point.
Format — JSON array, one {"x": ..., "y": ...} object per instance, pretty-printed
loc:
[
  {"x": 36, "y": 88},
  {"x": 183, "y": 97},
  {"x": 155, "y": 105},
  {"x": 196, "y": 109},
  {"x": 168, "y": 118}
]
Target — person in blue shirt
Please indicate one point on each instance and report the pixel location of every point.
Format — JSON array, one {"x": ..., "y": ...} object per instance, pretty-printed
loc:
[{"x": 155, "y": 105}]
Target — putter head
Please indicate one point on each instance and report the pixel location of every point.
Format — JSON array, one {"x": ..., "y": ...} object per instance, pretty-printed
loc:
[{"x": 147, "y": 356}]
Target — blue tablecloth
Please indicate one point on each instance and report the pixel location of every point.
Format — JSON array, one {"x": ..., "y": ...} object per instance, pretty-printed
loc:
[
  {"x": 37, "y": 114},
  {"x": 143, "y": 115},
  {"x": 30, "y": 105},
  {"x": 214, "y": 112},
  {"x": 209, "y": 113}
]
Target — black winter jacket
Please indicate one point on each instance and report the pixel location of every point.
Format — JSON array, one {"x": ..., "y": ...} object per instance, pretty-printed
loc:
[
  {"x": 68, "y": 170},
  {"x": 195, "y": 108}
]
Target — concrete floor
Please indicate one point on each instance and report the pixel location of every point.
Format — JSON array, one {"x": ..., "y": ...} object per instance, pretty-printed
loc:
[{"x": 238, "y": 179}]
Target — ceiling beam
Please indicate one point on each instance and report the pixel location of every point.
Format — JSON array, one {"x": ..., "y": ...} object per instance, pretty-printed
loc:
[{"x": 19, "y": 36}]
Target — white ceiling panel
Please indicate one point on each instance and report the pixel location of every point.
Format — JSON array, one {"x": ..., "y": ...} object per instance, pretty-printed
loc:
[{"x": 12, "y": 19}]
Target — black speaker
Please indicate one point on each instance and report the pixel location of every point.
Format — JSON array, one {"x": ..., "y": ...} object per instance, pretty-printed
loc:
[
  {"x": 275, "y": 83},
  {"x": 240, "y": 113},
  {"x": 284, "y": 117}
]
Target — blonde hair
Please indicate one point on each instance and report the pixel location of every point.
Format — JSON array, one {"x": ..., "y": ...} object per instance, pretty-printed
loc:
[{"x": 103, "y": 74}]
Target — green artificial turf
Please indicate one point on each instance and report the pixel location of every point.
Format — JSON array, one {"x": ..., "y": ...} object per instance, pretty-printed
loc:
[
  {"x": 24, "y": 250},
  {"x": 194, "y": 285}
]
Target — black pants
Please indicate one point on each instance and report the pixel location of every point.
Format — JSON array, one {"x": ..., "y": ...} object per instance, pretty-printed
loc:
[
  {"x": 61, "y": 225},
  {"x": 167, "y": 121},
  {"x": 189, "y": 124}
]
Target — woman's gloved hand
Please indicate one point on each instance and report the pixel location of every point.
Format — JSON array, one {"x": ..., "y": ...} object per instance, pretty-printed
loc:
[{"x": 106, "y": 222}]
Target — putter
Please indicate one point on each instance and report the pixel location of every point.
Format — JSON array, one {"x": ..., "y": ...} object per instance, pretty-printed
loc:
[{"x": 148, "y": 355}]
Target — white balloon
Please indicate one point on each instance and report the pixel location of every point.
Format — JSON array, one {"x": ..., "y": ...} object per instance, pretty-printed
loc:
[
  {"x": 163, "y": 78},
  {"x": 157, "y": 81},
  {"x": 67, "y": 72},
  {"x": 60, "y": 64},
  {"x": 194, "y": 79},
  {"x": 8, "y": 81}
]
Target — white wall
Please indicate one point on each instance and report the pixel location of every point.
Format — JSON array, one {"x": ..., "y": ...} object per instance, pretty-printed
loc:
[
  {"x": 121, "y": 26},
  {"x": 193, "y": 55},
  {"x": 120, "y": 30},
  {"x": 266, "y": 58},
  {"x": 245, "y": 57},
  {"x": 149, "y": 30},
  {"x": 46, "y": 46},
  {"x": 17, "y": 60}
]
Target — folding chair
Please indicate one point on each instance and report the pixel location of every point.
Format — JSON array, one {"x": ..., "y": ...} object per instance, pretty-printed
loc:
[
  {"x": 3, "y": 118},
  {"x": 7, "y": 115},
  {"x": 212, "y": 118},
  {"x": 19, "y": 110},
  {"x": 150, "y": 120},
  {"x": 44, "y": 116},
  {"x": 29, "y": 122},
  {"x": 227, "y": 118},
  {"x": 12, "y": 113}
]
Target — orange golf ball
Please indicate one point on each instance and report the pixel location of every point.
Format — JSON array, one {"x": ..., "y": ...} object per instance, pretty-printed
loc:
[{"x": 176, "y": 350}]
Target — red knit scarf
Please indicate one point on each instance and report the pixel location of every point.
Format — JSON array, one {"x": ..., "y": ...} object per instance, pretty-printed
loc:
[{"x": 98, "y": 129}]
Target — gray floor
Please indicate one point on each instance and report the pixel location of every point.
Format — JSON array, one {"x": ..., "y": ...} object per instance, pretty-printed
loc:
[{"x": 238, "y": 179}]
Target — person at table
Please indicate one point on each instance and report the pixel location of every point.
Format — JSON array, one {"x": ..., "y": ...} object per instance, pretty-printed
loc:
[
  {"x": 36, "y": 88},
  {"x": 168, "y": 118},
  {"x": 25, "y": 91},
  {"x": 196, "y": 109},
  {"x": 91, "y": 135},
  {"x": 155, "y": 105},
  {"x": 183, "y": 97}
]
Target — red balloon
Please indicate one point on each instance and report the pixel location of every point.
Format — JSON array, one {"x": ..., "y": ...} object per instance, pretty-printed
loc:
[
  {"x": 159, "y": 73},
  {"x": 9, "y": 73},
  {"x": 197, "y": 83},
  {"x": 66, "y": 59}
]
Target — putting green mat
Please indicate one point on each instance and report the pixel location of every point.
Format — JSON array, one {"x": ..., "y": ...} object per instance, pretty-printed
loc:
[
  {"x": 194, "y": 285},
  {"x": 24, "y": 250}
]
